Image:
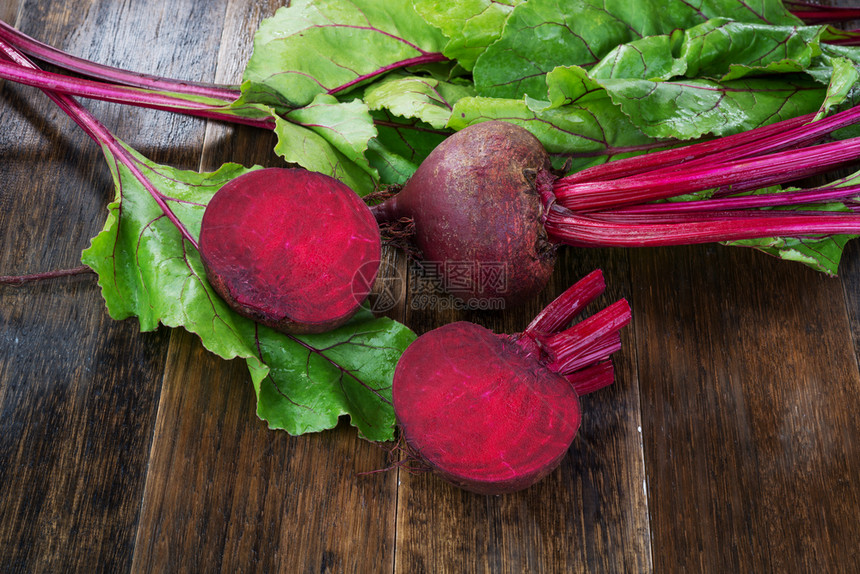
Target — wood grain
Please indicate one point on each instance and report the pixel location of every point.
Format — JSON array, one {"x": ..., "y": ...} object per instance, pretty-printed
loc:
[
  {"x": 225, "y": 493},
  {"x": 728, "y": 443},
  {"x": 750, "y": 401},
  {"x": 79, "y": 391}
]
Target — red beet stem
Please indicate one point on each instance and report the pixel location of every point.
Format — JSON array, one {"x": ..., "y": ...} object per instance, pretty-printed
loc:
[
  {"x": 592, "y": 378},
  {"x": 742, "y": 175},
  {"x": 794, "y": 132},
  {"x": 102, "y": 136},
  {"x": 843, "y": 37},
  {"x": 604, "y": 230},
  {"x": 597, "y": 350},
  {"x": 672, "y": 157},
  {"x": 791, "y": 136},
  {"x": 120, "y": 94},
  {"x": 52, "y": 55},
  {"x": 812, "y": 13},
  {"x": 562, "y": 348},
  {"x": 821, "y": 194},
  {"x": 424, "y": 58},
  {"x": 44, "y": 276},
  {"x": 569, "y": 304}
]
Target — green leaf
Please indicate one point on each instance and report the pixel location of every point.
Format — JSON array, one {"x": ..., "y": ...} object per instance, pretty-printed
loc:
[
  {"x": 689, "y": 108},
  {"x": 328, "y": 46},
  {"x": 470, "y": 25},
  {"x": 315, "y": 379},
  {"x": 147, "y": 270},
  {"x": 822, "y": 254},
  {"x": 650, "y": 58},
  {"x": 590, "y": 131},
  {"x": 425, "y": 99},
  {"x": 347, "y": 126},
  {"x": 843, "y": 82},
  {"x": 401, "y": 147},
  {"x": 730, "y": 50},
  {"x": 542, "y": 34},
  {"x": 719, "y": 49},
  {"x": 656, "y": 81},
  {"x": 308, "y": 147}
]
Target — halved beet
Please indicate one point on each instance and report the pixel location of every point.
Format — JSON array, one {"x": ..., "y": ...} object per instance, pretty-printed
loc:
[
  {"x": 483, "y": 414},
  {"x": 496, "y": 413},
  {"x": 292, "y": 249}
]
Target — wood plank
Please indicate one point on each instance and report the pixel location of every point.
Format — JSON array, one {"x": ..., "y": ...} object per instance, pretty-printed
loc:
[
  {"x": 750, "y": 413},
  {"x": 223, "y": 492},
  {"x": 740, "y": 370},
  {"x": 79, "y": 390},
  {"x": 588, "y": 516}
]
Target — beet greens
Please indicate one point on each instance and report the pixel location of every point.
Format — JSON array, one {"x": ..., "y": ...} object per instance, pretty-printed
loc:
[
  {"x": 149, "y": 267},
  {"x": 371, "y": 121}
]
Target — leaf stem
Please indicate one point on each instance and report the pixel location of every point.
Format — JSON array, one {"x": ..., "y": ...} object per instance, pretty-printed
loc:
[
  {"x": 44, "y": 276},
  {"x": 605, "y": 229},
  {"x": 569, "y": 304},
  {"x": 743, "y": 175},
  {"x": 821, "y": 194},
  {"x": 102, "y": 136},
  {"x": 127, "y": 95},
  {"x": 52, "y": 55},
  {"x": 426, "y": 58},
  {"x": 812, "y": 13}
]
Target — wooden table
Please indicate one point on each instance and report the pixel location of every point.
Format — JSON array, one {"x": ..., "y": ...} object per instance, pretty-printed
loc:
[{"x": 729, "y": 442}]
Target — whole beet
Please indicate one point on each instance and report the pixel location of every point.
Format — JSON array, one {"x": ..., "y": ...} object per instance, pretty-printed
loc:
[{"x": 476, "y": 204}]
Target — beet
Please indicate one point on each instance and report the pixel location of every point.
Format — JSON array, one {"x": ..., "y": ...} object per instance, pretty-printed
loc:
[
  {"x": 292, "y": 249},
  {"x": 487, "y": 197},
  {"x": 474, "y": 199},
  {"x": 494, "y": 413}
]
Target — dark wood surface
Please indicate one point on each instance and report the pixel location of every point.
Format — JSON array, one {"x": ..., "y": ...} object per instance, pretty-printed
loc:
[{"x": 729, "y": 442}]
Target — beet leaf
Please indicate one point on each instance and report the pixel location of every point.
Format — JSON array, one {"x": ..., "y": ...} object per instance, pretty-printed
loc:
[
  {"x": 330, "y": 137},
  {"x": 470, "y": 26},
  {"x": 303, "y": 383},
  {"x": 542, "y": 34},
  {"x": 330, "y": 46},
  {"x": 426, "y": 99}
]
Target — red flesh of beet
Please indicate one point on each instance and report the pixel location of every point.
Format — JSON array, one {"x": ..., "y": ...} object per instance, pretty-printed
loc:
[
  {"x": 486, "y": 195},
  {"x": 494, "y": 413},
  {"x": 292, "y": 249}
]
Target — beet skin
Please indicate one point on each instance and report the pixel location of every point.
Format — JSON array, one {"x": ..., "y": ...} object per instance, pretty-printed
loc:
[
  {"x": 475, "y": 201},
  {"x": 292, "y": 249}
]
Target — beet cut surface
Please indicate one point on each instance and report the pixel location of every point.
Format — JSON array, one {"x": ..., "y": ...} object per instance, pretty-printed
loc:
[
  {"x": 494, "y": 414},
  {"x": 493, "y": 425},
  {"x": 292, "y": 249}
]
